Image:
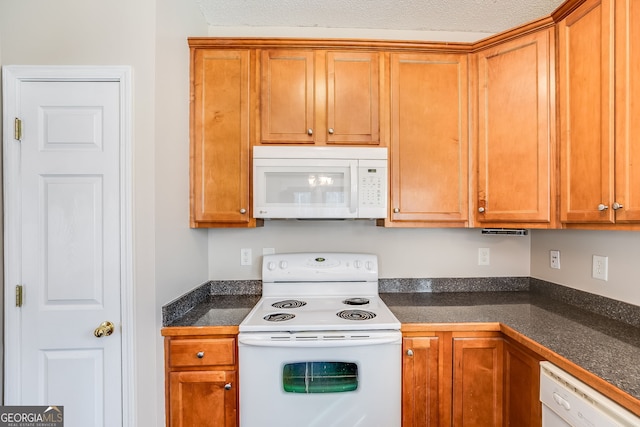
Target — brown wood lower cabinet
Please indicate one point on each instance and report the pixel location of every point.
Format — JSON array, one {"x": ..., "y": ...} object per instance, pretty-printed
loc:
[
  {"x": 421, "y": 382},
  {"x": 470, "y": 379},
  {"x": 201, "y": 381},
  {"x": 477, "y": 381},
  {"x": 521, "y": 386},
  {"x": 202, "y": 398}
]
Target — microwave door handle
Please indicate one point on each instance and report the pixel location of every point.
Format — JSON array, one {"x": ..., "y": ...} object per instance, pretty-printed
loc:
[{"x": 354, "y": 186}]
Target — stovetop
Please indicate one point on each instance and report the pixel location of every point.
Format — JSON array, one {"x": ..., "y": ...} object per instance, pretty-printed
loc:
[
  {"x": 320, "y": 291},
  {"x": 294, "y": 314}
]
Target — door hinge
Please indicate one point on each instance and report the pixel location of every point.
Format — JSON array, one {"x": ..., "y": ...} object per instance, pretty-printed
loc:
[
  {"x": 19, "y": 295},
  {"x": 17, "y": 129}
]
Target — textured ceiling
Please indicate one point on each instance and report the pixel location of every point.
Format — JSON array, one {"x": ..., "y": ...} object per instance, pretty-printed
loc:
[{"x": 482, "y": 16}]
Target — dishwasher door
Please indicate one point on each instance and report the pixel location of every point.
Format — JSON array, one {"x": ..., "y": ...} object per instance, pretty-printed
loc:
[
  {"x": 567, "y": 401},
  {"x": 551, "y": 419}
]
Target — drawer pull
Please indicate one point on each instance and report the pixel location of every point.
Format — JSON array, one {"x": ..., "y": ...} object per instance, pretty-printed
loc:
[
  {"x": 227, "y": 386},
  {"x": 200, "y": 354}
]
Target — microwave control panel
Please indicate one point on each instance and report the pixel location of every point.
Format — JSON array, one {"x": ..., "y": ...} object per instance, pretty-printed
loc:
[{"x": 372, "y": 189}]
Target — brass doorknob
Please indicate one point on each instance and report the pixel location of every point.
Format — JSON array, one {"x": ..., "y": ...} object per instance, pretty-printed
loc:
[{"x": 104, "y": 330}]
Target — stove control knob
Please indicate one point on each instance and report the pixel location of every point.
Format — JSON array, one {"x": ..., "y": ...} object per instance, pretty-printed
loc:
[
  {"x": 271, "y": 265},
  {"x": 369, "y": 265},
  {"x": 357, "y": 263},
  {"x": 283, "y": 265}
]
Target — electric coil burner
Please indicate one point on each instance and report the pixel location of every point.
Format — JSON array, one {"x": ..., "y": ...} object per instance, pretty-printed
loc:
[{"x": 320, "y": 345}]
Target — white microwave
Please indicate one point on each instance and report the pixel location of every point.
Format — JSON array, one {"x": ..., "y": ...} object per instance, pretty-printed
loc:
[{"x": 319, "y": 182}]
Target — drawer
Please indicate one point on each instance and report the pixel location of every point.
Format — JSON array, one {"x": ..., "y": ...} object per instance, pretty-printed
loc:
[{"x": 202, "y": 352}]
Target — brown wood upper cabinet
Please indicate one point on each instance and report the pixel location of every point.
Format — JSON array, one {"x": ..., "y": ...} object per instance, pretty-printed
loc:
[
  {"x": 514, "y": 150},
  {"x": 220, "y": 138},
  {"x": 320, "y": 97},
  {"x": 429, "y": 140},
  {"x": 599, "y": 65}
]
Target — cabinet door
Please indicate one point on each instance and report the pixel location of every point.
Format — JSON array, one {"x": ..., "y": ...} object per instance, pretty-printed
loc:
[
  {"x": 516, "y": 132},
  {"x": 420, "y": 382},
  {"x": 202, "y": 398},
  {"x": 220, "y": 137},
  {"x": 353, "y": 87},
  {"x": 429, "y": 143},
  {"x": 522, "y": 407},
  {"x": 287, "y": 96},
  {"x": 586, "y": 113},
  {"x": 477, "y": 382},
  {"x": 627, "y": 111}
]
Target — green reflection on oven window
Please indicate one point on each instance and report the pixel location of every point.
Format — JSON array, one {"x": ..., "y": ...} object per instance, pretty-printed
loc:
[{"x": 320, "y": 377}]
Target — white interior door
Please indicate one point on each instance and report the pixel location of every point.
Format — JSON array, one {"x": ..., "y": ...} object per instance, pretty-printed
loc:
[{"x": 65, "y": 220}]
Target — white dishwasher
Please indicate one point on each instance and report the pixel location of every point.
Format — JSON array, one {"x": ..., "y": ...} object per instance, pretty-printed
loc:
[{"x": 568, "y": 402}]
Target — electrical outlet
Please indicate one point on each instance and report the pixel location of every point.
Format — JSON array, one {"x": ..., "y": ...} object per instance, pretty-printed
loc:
[
  {"x": 245, "y": 256},
  {"x": 483, "y": 256},
  {"x": 554, "y": 259},
  {"x": 600, "y": 267}
]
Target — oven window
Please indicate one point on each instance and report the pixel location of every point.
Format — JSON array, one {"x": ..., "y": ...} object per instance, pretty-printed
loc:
[{"x": 320, "y": 377}]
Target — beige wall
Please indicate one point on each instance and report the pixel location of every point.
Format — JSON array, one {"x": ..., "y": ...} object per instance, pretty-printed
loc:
[
  {"x": 576, "y": 251},
  {"x": 1, "y": 254},
  {"x": 150, "y": 36},
  {"x": 403, "y": 253}
]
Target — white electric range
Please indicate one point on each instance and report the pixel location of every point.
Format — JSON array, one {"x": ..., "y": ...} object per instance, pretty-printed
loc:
[{"x": 320, "y": 348}]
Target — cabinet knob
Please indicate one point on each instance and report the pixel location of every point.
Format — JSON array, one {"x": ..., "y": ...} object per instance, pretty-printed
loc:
[
  {"x": 602, "y": 207},
  {"x": 409, "y": 352},
  {"x": 200, "y": 354},
  {"x": 330, "y": 131},
  {"x": 481, "y": 210},
  {"x": 617, "y": 206},
  {"x": 309, "y": 131},
  {"x": 396, "y": 210},
  {"x": 227, "y": 386},
  {"x": 243, "y": 211}
]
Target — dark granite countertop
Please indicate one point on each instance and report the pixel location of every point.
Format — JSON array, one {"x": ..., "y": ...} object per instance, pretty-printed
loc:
[
  {"x": 610, "y": 349},
  {"x": 218, "y": 310}
]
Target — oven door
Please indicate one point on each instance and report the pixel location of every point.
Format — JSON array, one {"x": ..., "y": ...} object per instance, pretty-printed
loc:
[{"x": 320, "y": 379}]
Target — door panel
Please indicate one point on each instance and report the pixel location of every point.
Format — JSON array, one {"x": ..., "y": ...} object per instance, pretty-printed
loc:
[
  {"x": 353, "y": 98},
  {"x": 220, "y": 137},
  {"x": 477, "y": 382},
  {"x": 627, "y": 111},
  {"x": 586, "y": 113},
  {"x": 72, "y": 212},
  {"x": 515, "y": 170},
  {"x": 287, "y": 96},
  {"x": 429, "y": 143},
  {"x": 68, "y": 255}
]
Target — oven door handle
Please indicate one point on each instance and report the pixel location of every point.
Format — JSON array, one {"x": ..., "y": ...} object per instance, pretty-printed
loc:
[{"x": 269, "y": 341}]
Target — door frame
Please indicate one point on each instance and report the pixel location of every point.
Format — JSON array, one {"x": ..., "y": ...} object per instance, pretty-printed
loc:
[{"x": 12, "y": 76}]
